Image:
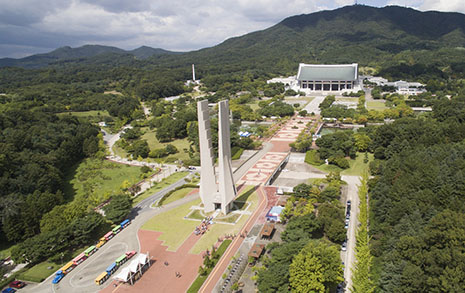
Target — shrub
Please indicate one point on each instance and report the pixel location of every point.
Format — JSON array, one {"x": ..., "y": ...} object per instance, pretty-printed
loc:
[{"x": 312, "y": 157}]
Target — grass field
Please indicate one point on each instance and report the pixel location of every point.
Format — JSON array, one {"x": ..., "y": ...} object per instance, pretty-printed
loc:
[
  {"x": 97, "y": 180},
  {"x": 254, "y": 105},
  {"x": 376, "y": 105},
  {"x": 347, "y": 99},
  {"x": 357, "y": 166},
  {"x": 150, "y": 137},
  {"x": 178, "y": 194},
  {"x": 176, "y": 229},
  {"x": 159, "y": 186},
  {"x": 5, "y": 249},
  {"x": 218, "y": 230},
  {"x": 173, "y": 225},
  {"x": 39, "y": 272},
  {"x": 94, "y": 116}
]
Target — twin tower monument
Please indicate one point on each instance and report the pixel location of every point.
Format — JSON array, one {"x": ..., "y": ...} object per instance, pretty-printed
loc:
[{"x": 215, "y": 193}]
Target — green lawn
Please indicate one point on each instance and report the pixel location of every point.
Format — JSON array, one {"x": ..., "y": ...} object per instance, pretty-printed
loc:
[
  {"x": 346, "y": 99},
  {"x": 178, "y": 194},
  {"x": 172, "y": 224},
  {"x": 91, "y": 116},
  {"x": 159, "y": 186},
  {"x": 176, "y": 229},
  {"x": 5, "y": 249},
  {"x": 97, "y": 180},
  {"x": 254, "y": 105},
  {"x": 357, "y": 166},
  {"x": 376, "y": 105},
  {"x": 150, "y": 137},
  {"x": 39, "y": 272},
  {"x": 218, "y": 230}
]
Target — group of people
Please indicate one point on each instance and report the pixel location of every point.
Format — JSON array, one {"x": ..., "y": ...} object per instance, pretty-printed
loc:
[{"x": 204, "y": 226}]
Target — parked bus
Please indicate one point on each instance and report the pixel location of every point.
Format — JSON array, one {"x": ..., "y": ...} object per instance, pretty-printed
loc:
[
  {"x": 121, "y": 260},
  {"x": 91, "y": 250},
  {"x": 109, "y": 235},
  {"x": 111, "y": 268},
  {"x": 102, "y": 278},
  {"x": 101, "y": 242},
  {"x": 59, "y": 275},
  {"x": 130, "y": 254},
  {"x": 125, "y": 223},
  {"x": 116, "y": 230},
  {"x": 79, "y": 259},
  {"x": 68, "y": 267}
]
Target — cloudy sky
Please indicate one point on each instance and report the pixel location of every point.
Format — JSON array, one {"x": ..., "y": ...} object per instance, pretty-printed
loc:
[{"x": 37, "y": 26}]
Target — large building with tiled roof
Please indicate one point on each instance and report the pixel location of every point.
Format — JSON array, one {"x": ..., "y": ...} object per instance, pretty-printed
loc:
[{"x": 327, "y": 78}]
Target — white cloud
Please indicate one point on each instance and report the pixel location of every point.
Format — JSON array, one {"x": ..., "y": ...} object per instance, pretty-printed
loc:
[
  {"x": 444, "y": 5},
  {"x": 174, "y": 25}
]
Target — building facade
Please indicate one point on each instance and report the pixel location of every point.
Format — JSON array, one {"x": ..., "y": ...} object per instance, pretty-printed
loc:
[{"x": 327, "y": 78}]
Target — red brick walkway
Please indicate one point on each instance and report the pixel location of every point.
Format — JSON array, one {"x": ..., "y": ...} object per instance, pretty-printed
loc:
[
  {"x": 223, "y": 263},
  {"x": 162, "y": 278}
]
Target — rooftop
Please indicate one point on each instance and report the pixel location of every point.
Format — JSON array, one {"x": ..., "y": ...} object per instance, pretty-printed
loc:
[{"x": 323, "y": 72}]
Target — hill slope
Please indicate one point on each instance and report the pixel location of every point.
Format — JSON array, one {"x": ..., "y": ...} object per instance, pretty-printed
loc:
[
  {"x": 77, "y": 54},
  {"x": 362, "y": 34}
]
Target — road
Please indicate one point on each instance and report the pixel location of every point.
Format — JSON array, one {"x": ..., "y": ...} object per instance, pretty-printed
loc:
[
  {"x": 81, "y": 279},
  {"x": 313, "y": 105},
  {"x": 349, "y": 255}
]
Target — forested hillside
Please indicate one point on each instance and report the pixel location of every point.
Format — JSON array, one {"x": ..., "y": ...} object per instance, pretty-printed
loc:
[{"x": 417, "y": 206}]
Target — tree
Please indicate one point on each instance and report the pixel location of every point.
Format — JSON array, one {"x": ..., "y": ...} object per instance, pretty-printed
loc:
[
  {"x": 302, "y": 227},
  {"x": 140, "y": 148},
  {"x": 362, "y": 141},
  {"x": 317, "y": 268},
  {"x": 118, "y": 209}
]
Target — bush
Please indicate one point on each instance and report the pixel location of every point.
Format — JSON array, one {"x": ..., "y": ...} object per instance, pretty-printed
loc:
[
  {"x": 341, "y": 162},
  {"x": 145, "y": 169},
  {"x": 236, "y": 152},
  {"x": 312, "y": 157}
]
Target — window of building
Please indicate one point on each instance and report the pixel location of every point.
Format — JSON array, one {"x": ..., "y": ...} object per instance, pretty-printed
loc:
[
  {"x": 334, "y": 87},
  {"x": 326, "y": 86},
  {"x": 318, "y": 86}
]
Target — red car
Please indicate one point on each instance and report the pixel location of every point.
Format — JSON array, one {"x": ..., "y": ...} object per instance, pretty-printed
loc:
[{"x": 17, "y": 284}]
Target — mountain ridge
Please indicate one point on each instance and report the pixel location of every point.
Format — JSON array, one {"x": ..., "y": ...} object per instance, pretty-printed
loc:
[
  {"x": 357, "y": 33},
  {"x": 67, "y": 53}
]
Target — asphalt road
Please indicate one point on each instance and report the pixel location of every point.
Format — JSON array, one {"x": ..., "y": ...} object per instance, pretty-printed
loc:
[
  {"x": 81, "y": 279},
  {"x": 349, "y": 255}
]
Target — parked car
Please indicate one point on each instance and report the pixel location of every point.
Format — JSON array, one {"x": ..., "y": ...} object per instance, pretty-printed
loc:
[
  {"x": 346, "y": 225},
  {"x": 8, "y": 290},
  {"x": 344, "y": 246},
  {"x": 17, "y": 284}
]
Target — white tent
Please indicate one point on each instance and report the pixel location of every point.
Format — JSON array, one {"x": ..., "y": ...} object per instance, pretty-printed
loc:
[{"x": 124, "y": 275}]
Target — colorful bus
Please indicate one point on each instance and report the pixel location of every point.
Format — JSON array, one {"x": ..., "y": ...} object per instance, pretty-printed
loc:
[
  {"x": 109, "y": 235},
  {"x": 116, "y": 230},
  {"x": 125, "y": 223},
  {"x": 102, "y": 278},
  {"x": 59, "y": 275},
  {"x": 111, "y": 268},
  {"x": 121, "y": 260},
  {"x": 68, "y": 267},
  {"x": 130, "y": 254},
  {"x": 101, "y": 242},
  {"x": 79, "y": 259},
  {"x": 91, "y": 250}
]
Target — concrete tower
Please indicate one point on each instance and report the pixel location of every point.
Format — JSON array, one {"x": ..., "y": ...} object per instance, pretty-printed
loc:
[
  {"x": 207, "y": 172},
  {"x": 227, "y": 189},
  {"x": 193, "y": 73},
  {"x": 213, "y": 195}
]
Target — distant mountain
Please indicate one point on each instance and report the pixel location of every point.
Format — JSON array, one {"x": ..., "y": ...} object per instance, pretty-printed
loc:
[
  {"x": 87, "y": 51},
  {"x": 358, "y": 33},
  {"x": 366, "y": 35}
]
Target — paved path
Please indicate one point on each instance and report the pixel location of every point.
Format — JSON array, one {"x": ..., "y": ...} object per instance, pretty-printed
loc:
[
  {"x": 81, "y": 279},
  {"x": 313, "y": 105},
  {"x": 349, "y": 255},
  {"x": 223, "y": 263}
]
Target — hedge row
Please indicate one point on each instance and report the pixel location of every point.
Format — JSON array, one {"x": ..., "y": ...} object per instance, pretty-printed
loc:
[{"x": 160, "y": 202}]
